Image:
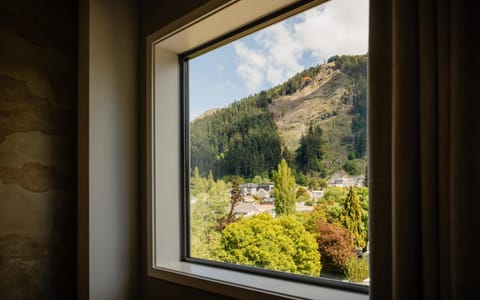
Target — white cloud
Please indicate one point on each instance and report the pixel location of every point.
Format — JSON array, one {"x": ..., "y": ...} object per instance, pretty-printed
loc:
[
  {"x": 335, "y": 28},
  {"x": 251, "y": 66}
]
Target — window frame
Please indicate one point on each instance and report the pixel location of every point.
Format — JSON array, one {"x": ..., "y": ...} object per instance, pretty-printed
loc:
[{"x": 166, "y": 122}]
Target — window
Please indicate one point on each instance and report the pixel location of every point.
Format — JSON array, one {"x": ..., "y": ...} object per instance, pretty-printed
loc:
[{"x": 166, "y": 180}]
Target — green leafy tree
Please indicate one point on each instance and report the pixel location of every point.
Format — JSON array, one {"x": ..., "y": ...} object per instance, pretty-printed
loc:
[
  {"x": 280, "y": 244},
  {"x": 205, "y": 211},
  {"x": 302, "y": 194},
  {"x": 198, "y": 184},
  {"x": 316, "y": 183},
  {"x": 352, "y": 217},
  {"x": 312, "y": 218},
  {"x": 284, "y": 191},
  {"x": 332, "y": 204},
  {"x": 210, "y": 180}
]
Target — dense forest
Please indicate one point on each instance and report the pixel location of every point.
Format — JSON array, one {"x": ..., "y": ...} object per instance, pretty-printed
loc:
[{"x": 243, "y": 138}]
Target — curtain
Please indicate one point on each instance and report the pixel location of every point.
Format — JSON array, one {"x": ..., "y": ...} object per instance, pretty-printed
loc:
[{"x": 424, "y": 150}]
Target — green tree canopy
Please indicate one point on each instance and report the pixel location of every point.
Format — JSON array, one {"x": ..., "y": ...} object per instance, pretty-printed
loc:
[
  {"x": 207, "y": 208},
  {"x": 284, "y": 191},
  {"x": 352, "y": 217},
  {"x": 280, "y": 244},
  {"x": 198, "y": 184},
  {"x": 311, "y": 151}
]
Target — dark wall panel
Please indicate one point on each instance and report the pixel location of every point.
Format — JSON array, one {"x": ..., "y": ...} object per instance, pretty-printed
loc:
[{"x": 38, "y": 99}]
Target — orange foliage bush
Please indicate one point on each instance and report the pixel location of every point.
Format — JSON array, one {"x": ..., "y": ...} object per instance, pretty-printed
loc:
[{"x": 336, "y": 247}]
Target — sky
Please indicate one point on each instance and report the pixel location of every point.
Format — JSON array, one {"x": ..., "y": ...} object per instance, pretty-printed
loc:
[{"x": 272, "y": 55}]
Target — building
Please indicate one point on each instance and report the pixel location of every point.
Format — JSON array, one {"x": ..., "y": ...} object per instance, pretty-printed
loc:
[{"x": 72, "y": 151}]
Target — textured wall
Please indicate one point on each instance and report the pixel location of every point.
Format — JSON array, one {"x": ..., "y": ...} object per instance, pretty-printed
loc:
[{"x": 38, "y": 63}]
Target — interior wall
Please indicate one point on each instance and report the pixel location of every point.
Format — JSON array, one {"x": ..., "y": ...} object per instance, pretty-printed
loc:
[
  {"x": 38, "y": 100},
  {"x": 108, "y": 156}
]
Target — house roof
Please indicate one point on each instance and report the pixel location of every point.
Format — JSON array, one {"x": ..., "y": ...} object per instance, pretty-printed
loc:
[{"x": 246, "y": 208}]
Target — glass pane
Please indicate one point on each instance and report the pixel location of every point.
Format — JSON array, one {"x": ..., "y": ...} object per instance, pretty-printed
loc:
[{"x": 277, "y": 145}]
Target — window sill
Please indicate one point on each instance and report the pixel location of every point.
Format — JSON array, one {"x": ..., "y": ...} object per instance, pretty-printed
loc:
[{"x": 245, "y": 286}]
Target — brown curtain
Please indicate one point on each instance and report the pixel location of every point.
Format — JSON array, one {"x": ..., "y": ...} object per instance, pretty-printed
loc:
[{"x": 424, "y": 149}]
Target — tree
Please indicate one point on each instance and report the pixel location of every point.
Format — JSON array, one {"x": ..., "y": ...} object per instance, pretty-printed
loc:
[
  {"x": 335, "y": 245},
  {"x": 302, "y": 194},
  {"x": 280, "y": 244},
  {"x": 198, "y": 184},
  {"x": 205, "y": 211},
  {"x": 311, "y": 219},
  {"x": 332, "y": 204},
  {"x": 352, "y": 217},
  {"x": 235, "y": 197},
  {"x": 311, "y": 151},
  {"x": 210, "y": 180},
  {"x": 284, "y": 191}
]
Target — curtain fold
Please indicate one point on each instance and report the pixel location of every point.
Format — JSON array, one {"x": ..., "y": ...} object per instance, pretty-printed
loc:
[{"x": 424, "y": 153}]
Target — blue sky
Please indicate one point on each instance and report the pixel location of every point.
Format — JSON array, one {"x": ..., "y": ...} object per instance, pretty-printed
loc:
[{"x": 272, "y": 55}]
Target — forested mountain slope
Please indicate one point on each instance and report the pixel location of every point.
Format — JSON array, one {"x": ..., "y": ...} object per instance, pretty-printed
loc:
[{"x": 316, "y": 120}]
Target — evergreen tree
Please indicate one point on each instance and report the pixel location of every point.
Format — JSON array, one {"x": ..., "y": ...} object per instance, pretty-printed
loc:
[
  {"x": 311, "y": 151},
  {"x": 284, "y": 191},
  {"x": 351, "y": 217}
]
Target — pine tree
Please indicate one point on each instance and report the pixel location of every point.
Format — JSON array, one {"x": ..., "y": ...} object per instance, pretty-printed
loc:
[
  {"x": 284, "y": 190},
  {"x": 311, "y": 151},
  {"x": 352, "y": 217}
]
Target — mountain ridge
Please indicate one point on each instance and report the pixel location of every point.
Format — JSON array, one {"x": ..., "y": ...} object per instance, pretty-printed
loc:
[{"x": 330, "y": 100}]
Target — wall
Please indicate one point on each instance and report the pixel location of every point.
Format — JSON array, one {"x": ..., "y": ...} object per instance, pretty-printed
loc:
[
  {"x": 108, "y": 157},
  {"x": 38, "y": 98}
]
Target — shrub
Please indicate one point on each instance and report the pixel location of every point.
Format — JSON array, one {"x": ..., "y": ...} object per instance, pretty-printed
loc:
[
  {"x": 308, "y": 202},
  {"x": 336, "y": 247},
  {"x": 351, "y": 168},
  {"x": 302, "y": 192},
  {"x": 356, "y": 269}
]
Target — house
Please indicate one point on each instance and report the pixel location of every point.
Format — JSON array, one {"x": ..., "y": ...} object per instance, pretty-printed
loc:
[
  {"x": 263, "y": 194},
  {"x": 249, "y": 189},
  {"x": 246, "y": 209},
  {"x": 266, "y": 186},
  {"x": 342, "y": 182},
  {"x": 315, "y": 194}
]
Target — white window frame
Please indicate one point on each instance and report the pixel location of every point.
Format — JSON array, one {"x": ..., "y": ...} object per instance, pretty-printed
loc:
[{"x": 164, "y": 161}]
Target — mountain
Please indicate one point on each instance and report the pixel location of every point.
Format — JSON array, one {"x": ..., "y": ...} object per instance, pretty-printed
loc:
[{"x": 259, "y": 130}]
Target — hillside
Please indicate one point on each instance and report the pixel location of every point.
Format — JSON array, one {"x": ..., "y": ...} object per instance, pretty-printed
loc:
[
  {"x": 328, "y": 102},
  {"x": 259, "y": 130}
]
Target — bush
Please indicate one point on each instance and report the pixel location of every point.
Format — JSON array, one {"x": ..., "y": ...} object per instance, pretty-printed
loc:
[
  {"x": 357, "y": 269},
  {"x": 336, "y": 247},
  {"x": 351, "y": 168}
]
